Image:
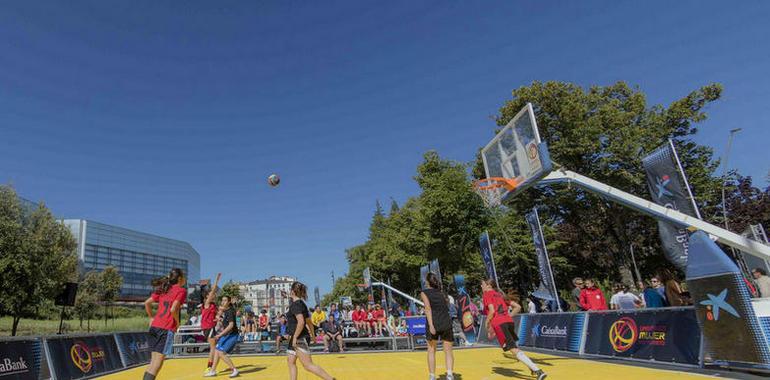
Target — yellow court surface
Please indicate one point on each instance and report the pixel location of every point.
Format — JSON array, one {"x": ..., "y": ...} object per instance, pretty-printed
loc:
[{"x": 470, "y": 364}]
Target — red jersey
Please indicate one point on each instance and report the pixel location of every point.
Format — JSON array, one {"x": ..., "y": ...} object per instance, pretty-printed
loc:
[
  {"x": 209, "y": 316},
  {"x": 359, "y": 315},
  {"x": 494, "y": 298},
  {"x": 378, "y": 314},
  {"x": 163, "y": 318},
  {"x": 263, "y": 321}
]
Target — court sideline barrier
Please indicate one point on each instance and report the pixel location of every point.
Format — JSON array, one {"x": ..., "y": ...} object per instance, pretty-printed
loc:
[
  {"x": 65, "y": 357},
  {"x": 23, "y": 359},
  {"x": 668, "y": 335}
]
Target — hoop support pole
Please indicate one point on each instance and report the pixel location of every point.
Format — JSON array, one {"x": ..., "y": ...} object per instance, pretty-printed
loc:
[{"x": 659, "y": 212}]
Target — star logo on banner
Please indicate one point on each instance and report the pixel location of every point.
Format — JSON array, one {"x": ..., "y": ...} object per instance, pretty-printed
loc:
[
  {"x": 715, "y": 303},
  {"x": 661, "y": 184}
]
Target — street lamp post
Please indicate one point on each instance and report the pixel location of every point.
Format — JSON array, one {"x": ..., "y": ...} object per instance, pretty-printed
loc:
[{"x": 724, "y": 172}]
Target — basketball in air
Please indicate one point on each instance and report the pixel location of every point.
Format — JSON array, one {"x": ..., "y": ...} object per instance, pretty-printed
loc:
[{"x": 273, "y": 180}]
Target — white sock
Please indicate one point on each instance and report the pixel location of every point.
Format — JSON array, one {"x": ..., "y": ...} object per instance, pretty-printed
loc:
[{"x": 524, "y": 359}]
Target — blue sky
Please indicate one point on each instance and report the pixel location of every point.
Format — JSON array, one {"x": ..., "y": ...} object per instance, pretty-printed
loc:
[{"x": 167, "y": 118}]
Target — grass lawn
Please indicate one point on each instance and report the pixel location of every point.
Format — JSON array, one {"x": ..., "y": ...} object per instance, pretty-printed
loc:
[{"x": 47, "y": 327}]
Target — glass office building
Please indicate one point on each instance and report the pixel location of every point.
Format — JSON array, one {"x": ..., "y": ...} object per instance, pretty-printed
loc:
[{"x": 139, "y": 257}]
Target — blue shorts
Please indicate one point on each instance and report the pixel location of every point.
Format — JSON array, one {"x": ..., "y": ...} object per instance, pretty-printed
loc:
[{"x": 227, "y": 343}]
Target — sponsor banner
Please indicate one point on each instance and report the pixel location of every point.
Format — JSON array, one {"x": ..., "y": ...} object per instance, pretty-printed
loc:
[
  {"x": 466, "y": 310},
  {"x": 563, "y": 331},
  {"x": 547, "y": 288},
  {"x": 724, "y": 306},
  {"x": 666, "y": 335},
  {"x": 416, "y": 325},
  {"x": 79, "y": 357},
  {"x": 21, "y": 360},
  {"x": 668, "y": 188},
  {"x": 486, "y": 255},
  {"x": 134, "y": 348}
]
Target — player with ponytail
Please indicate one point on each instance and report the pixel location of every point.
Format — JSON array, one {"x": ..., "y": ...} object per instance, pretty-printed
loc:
[
  {"x": 170, "y": 295},
  {"x": 300, "y": 331},
  {"x": 500, "y": 324},
  {"x": 439, "y": 325}
]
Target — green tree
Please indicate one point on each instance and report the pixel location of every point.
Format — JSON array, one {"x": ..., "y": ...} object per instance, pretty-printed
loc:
[
  {"x": 37, "y": 256},
  {"x": 111, "y": 282},
  {"x": 88, "y": 297},
  {"x": 232, "y": 290},
  {"x": 746, "y": 203}
]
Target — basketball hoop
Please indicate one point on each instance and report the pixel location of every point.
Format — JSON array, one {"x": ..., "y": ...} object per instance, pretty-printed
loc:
[{"x": 491, "y": 190}]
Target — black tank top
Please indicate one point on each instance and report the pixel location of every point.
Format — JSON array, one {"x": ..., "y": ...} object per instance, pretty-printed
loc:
[{"x": 439, "y": 309}]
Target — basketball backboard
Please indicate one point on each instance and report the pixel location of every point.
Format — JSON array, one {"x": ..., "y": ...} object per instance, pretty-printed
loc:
[{"x": 517, "y": 154}]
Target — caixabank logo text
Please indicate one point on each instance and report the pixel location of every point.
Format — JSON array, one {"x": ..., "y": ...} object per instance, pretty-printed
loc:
[{"x": 9, "y": 367}]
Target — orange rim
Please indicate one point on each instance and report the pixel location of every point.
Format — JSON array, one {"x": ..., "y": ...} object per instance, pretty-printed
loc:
[{"x": 496, "y": 183}]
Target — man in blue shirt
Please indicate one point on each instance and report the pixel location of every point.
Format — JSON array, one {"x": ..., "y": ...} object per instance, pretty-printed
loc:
[{"x": 653, "y": 297}]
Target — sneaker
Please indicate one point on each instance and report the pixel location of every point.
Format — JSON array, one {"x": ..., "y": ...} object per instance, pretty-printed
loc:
[
  {"x": 450, "y": 377},
  {"x": 235, "y": 373},
  {"x": 210, "y": 373},
  {"x": 540, "y": 374}
]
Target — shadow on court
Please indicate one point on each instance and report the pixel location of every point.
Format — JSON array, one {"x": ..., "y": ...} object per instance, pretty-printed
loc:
[
  {"x": 457, "y": 377},
  {"x": 244, "y": 369},
  {"x": 511, "y": 372}
]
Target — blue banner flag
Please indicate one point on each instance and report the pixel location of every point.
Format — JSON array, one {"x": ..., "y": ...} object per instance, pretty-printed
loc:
[
  {"x": 432, "y": 267},
  {"x": 486, "y": 255},
  {"x": 547, "y": 288},
  {"x": 466, "y": 311},
  {"x": 669, "y": 188}
]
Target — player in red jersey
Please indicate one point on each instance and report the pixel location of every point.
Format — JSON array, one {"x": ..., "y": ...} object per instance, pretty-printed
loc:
[
  {"x": 209, "y": 320},
  {"x": 170, "y": 295},
  {"x": 500, "y": 323}
]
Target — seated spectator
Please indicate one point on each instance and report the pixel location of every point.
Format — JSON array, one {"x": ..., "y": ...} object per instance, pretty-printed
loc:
[
  {"x": 336, "y": 313},
  {"x": 320, "y": 336},
  {"x": 401, "y": 312},
  {"x": 379, "y": 320},
  {"x": 318, "y": 317},
  {"x": 282, "y": 333},
  {"x": 263, "y": 325},
  {"x": 359, "y": 319},
  {"x": 623, "y": 299},
  {"x": 333, "y": 332},
  {"x": 349, "y": 313},
  {"x": 763, "y": 282},
  {"x": 370, "y": 319},
  {"x": 591, "y": 297},
  {"x": 402, "y": 330}
]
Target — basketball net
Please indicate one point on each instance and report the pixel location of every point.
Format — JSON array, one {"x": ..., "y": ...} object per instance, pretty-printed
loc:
[{"x": 491, "y": 190}]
